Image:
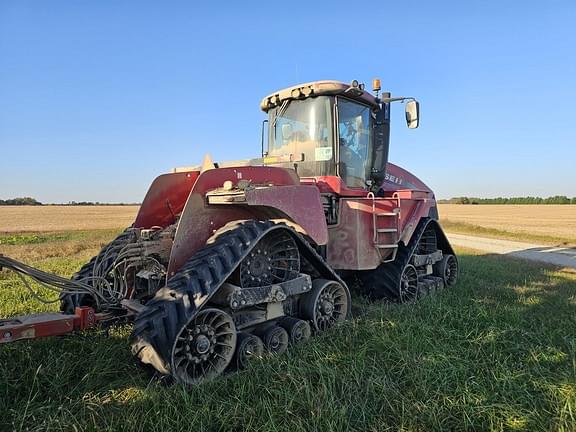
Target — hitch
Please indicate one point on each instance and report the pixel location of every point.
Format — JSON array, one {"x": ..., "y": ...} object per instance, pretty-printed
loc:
[
  {"x": 35, "y": 326},
  {"x": 48, "y": 324}
]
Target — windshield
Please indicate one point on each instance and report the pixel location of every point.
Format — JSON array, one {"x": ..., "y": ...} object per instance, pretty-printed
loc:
[
  {"x": 301, "y": 136},
  {"x": 355, "y": 142}
]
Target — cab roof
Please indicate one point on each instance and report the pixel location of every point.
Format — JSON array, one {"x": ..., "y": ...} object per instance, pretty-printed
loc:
[{"x": 317, "y": 88}]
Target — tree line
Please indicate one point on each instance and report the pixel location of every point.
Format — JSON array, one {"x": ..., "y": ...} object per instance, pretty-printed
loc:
[
  {"x": 20, "y": 201},
  {"x": 557, "y": 199},
  {"x": 34, "y": 202}
]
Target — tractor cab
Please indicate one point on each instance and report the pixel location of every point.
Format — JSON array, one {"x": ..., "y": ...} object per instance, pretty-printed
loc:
[{"x": 329, "y": 128}]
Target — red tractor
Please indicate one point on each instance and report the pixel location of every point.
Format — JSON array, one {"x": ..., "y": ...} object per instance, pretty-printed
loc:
[{"x": 226, "y": 260}]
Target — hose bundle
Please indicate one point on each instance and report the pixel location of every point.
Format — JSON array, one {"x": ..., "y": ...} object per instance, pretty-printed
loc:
[{"x": 55, "y": 283}]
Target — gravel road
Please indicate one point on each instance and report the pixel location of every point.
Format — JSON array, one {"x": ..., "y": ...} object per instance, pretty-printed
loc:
[{"x": 565, "y": 257}]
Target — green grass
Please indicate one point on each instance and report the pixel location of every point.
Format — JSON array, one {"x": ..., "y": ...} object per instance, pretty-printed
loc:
[
  {"x": 524, "y": 236},
  {"x": 15, "y": 239},
  {"x": 497, "y": 352}
]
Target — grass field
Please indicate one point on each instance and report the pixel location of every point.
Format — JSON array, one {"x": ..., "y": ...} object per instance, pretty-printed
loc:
[
  {"x": 554, "y": 224},
  {"x": 497, "y": 352}
]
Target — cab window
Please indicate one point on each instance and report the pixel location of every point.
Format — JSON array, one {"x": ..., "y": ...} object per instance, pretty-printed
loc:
[
  {"x": 354, "y": 139},
  {"x": 301, "y": 136}
]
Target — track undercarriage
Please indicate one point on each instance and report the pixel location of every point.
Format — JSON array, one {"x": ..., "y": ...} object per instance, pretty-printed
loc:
[
  {"x": 419, "y": 268},
  {"x": 257, "y": 286},
  {"x": 241, "y": 293}
]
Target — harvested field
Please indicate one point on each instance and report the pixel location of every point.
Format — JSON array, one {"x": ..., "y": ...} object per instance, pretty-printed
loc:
[
  {"x": 541, "y": 223},
  {"x": 64, "y": 218}
]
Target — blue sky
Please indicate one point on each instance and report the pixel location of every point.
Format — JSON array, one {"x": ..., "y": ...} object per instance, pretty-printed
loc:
[{"x": 99, "y": 97}]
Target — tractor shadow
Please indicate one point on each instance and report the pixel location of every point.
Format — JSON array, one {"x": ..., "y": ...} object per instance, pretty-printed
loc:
[{"x": 558, "y": 256}]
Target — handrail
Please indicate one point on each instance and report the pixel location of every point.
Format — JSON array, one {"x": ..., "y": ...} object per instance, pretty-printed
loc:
[{"x": 375, "y": 234}]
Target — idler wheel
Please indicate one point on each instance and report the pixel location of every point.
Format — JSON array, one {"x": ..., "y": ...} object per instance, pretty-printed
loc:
[
  {"x": 447, "y": 269},
  {"x": 204, "y": 347},
  {"x": 325, "y": 305},
  {"x": 408, "y": 289}
]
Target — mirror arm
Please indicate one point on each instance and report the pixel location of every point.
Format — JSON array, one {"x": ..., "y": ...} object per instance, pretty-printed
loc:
[{"x": 396, "y": 99}]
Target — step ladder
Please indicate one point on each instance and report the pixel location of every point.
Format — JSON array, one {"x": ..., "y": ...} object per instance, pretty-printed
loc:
[{"x": 393, "y": 232}]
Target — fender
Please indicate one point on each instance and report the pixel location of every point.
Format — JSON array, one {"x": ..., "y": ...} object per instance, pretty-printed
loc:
[
  {"x": 281, "y": 197},
  {"x": 165, "y": 199}
]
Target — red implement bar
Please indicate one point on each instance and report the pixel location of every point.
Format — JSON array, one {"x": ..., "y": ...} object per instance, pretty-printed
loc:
[{"x": 49, "y": 324}]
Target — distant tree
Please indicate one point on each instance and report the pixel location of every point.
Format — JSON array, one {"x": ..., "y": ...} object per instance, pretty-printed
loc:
[
  {"x": 557, "y": 199},
  {"x": 20, "y": 201}
]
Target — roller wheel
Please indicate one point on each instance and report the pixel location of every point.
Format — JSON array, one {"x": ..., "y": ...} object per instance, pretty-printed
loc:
[
  {"x": 275, "y": 339},
  {"x": 325, "y": 305},
  {"x": 247, "y": 346},
  {"x": 408, "y": 289},
  {"x": 204, "y": 347},
  {"x": 447, "y": 269},
  {"x": 298, "y": 330}
]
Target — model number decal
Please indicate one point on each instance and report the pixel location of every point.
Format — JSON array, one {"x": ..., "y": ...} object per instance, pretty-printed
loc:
[{"x": 393, "y": 179}]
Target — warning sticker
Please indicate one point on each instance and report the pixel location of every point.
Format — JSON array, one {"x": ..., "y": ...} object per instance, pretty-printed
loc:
[{"x": 323, "y": 153}]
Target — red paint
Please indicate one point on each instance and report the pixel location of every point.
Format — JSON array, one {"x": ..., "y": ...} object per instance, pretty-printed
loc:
[
  {"x": 199, "y": 221},
  {"x": 350, "y": 243},
  {"x": 333, "y": 184},
  {"x": 43, "y": 325},
  {"x": 165, "y": 198},
  {"x": 300, "y": 204}
]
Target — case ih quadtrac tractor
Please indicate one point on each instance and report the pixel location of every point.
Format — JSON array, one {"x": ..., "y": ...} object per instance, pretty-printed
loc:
[{"x": 226, "y": 260}]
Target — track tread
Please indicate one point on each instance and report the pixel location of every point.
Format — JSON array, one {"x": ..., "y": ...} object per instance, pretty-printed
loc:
[
  {"x": 156, "y": 328},
  {"x": 384, "y": 281}
]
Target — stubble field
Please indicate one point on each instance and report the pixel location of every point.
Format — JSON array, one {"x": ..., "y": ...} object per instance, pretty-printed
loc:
[
  {"x": 64, "y": 218},
  {"x": 544, "y": 223},
  {"x": 554, "y": 224}
]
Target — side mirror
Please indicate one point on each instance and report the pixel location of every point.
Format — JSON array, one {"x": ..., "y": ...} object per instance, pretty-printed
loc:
[{"x": 412, "y": 114}]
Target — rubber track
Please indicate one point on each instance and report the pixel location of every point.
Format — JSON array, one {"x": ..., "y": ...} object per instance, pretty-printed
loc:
[
  {"x": 384, "y": 281},
  {"x": 68, "y": 302},
  {"x": 158, "y": 325}
]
